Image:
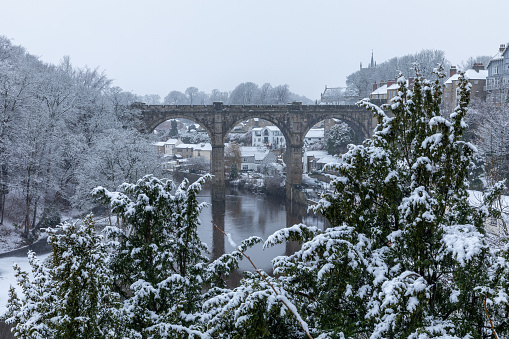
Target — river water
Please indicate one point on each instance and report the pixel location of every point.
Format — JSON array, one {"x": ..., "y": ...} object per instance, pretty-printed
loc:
[{"x": 246, "y": 214}]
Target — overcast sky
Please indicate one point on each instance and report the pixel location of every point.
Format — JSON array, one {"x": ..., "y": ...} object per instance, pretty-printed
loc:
[{"x": 153, "y": 47}]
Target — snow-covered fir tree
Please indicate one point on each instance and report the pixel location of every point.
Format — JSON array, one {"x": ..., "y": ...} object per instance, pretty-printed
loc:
[
  {"x": 70, "y": 295},
  {"x": 159, "y": 263},
  {"x": 406, "y": 256}
]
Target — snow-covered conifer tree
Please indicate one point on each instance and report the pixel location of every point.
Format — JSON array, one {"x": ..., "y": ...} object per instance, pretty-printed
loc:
[
  {"x": 159, "y": 263},
  {"x": 71, "y": 294},
  {"x": 406, "y": 255}
]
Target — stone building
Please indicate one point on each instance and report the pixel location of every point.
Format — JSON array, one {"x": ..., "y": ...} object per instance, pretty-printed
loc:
[
  {"x": 477, "y": 78},
  {"x": 497, "y": 81}
]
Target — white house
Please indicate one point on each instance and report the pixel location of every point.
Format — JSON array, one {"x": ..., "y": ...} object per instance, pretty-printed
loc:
[
  {"x": 314, "y": 135},
  {"x": 203, "y": 150},
  {"x": 254, "y": 157},
  {"x": 169, "y": 146},
  {"x": 269, "y": 136}
]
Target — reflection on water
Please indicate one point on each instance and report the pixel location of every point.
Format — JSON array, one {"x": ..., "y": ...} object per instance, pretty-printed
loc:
[{"x": 243, "y": 214}]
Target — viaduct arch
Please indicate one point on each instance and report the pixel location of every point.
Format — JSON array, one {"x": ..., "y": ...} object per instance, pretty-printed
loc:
[{"x": 294, "y": 120}]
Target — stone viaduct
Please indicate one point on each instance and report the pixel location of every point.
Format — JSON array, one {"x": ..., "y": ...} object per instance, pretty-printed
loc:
[{"x": 294, "y": 120}]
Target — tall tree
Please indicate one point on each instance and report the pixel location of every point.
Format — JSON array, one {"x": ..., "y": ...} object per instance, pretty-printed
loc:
[
  {"x": 159, "y": 263},
  {"x": 174, "y": 132},
  {"x": 191, "y": 93}
]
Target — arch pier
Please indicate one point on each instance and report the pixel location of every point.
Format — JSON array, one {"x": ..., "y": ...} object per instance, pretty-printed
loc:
[{"x": 294, "y": 120}]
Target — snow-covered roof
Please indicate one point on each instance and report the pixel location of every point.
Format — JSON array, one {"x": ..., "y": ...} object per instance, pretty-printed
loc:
[
  {"x": 315, "y": 133},
  {"x": 317, "y": 154},
  {"x": 257, "y": 152},
  {"x": 203, "y": 146},
  {"x": 257, "y": 129},
  {"x": 500, "y": 54},
  {"x": 171, "y": 141},
  {"x": 380, "y": 90},
  {"x": 272, "y": 128},
  {"x": 186, "y": 146},
  {"x": 159, "y": 143},
  {"x": 393, "y": 86},
  {"x": 470, "y": 74},
  {"x": 328, "y": 159}
]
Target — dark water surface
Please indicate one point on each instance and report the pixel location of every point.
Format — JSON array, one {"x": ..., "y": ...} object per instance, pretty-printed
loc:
[{"x": 243, "y": 214}]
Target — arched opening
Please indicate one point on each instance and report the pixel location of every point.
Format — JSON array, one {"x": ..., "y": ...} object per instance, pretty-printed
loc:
[
  {"x": 323, "y": 144},
  {"x": 183, "y": 144},
  {"x": 254, "y": 153}
]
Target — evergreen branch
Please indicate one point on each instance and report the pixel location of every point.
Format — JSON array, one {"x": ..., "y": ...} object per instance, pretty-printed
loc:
[{"x": 299, "y": 319}]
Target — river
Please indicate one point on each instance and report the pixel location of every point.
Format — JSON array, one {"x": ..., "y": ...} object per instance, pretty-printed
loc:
[{"x": 246, "y": 214}]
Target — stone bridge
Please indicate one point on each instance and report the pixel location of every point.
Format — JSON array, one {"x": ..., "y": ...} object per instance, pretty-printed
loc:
[{"x": 294, "y": 120}]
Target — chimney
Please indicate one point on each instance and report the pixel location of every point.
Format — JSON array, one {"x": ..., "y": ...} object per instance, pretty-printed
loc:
[
  {"x": 452, "y": 71},
  {"x": 478, "y": 67},
  {"x": 411, "y": 81},
  {"x": 390, "y": 83},
  {"x": 374, "y": 86},
  {"x": 502, "y": 48},
  {"x": 382, "y": 82}
]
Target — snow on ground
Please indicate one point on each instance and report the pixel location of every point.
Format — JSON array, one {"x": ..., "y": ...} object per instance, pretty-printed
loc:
[
  {"x": 10, "y": 237},
  {"x": 475, "y": 199},
  {"x": 8, "y": 279}
]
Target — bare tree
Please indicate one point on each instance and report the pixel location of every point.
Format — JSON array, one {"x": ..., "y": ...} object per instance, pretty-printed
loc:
[
  {"x": 191, "y": 94},
  {"x": 281, "y": 94},
  {"x": 265, "y": 95},
  {"x": 218, "y": 96},
  {"x": 175, "y": 98}
]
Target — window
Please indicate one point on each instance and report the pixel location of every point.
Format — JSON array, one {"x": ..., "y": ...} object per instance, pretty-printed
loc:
[
  {"x": 245, "y": 167},
  {"x": 476, "y": 82}
]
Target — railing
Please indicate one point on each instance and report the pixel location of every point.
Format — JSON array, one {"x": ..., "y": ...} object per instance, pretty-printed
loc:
[{"x": 496, "y": 87}]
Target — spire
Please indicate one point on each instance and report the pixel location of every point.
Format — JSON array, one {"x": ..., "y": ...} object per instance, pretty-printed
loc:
[{"x": 372, "y": 64}]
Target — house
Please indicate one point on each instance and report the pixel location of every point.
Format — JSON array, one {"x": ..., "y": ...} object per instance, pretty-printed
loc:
[
  {"x": 314, "y": 135},
  {"x": 169, "y": 146},
  {"x": 477, "y": 78},
  {"x": 159, "y": 147},
  {"x": 388, "y": 90},
  {"x": 185, "y": 150},
  {"x": 332, "y": 96},
  {"x": 253, "y": 158},
  {"x": 379, "y": 92},
  {"x": 309, "y": 159},
  {"x": 316, "y": 160},
  {"x": 203, "y": 150},
  {"x": 166, "y": 148},
  {"x": 268, "y": 136},
  {"x": 497, "y": 81}
]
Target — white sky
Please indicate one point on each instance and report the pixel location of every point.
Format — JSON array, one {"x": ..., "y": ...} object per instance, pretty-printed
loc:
[{"x": 153, "y": 47}]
